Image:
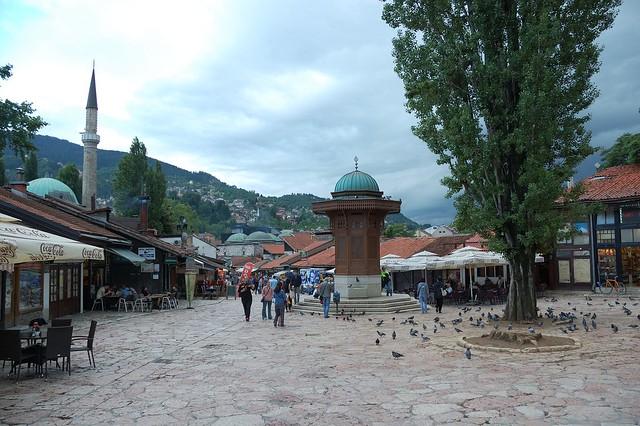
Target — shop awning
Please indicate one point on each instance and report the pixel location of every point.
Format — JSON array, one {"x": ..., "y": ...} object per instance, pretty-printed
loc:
[
  {"x": 20, "y": 244},
  {"x": 128, "y": 255}
]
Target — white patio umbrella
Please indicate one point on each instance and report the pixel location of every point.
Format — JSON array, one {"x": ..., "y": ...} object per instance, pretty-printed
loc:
[
  {"x": 19, "y": 244},
  {"x": 470, "y": 256}
]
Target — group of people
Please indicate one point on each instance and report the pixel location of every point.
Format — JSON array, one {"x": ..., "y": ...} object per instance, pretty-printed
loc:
[{"x": 126, "y": 292}]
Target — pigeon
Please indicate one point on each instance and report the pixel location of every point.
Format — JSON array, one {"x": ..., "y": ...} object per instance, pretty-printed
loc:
[
  {"x": 301, "y": 313},
  {"x": 442, "y": 325},
  {"x": 380, "y": 333},
  {"x": 413, "y": 332},
  {"x": 589, "y": 304},
  {"x": 633, "y": 325},
  {"x": 396, "y": 355},
  {"x": 435, "y": 329},
  {"x": 379, "y": 323},
  {"x": 424, "y": 338},
  {"x": 509, "y": 327},
  {"x": 410, "y": 318},
  {"x": 393, "y": 319},
  {"x": 467, "y": 353},
  {"x": 436, "y": 319},
  {"x": 614, "y": 327},
  {"x": 593, "y": 316},
  {"x": 593, "y": 324},
  {"x": 393, "y": 335},
  {"x": 370, "y": 319},
  {"x": 377, "y": 341},
  {"x": 457, "y": 330},
  {"x": 424, "y": 327}
]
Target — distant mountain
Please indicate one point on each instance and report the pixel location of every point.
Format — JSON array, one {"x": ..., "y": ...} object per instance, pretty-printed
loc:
[{"x": 53, "y": 153}]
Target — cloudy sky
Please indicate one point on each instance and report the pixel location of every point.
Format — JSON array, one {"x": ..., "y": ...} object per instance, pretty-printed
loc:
[{"x": 274, "y": 96}]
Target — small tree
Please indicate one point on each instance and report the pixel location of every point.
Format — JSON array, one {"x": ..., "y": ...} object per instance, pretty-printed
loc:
[
  {"x": 18, "y": 123},
  {"x": 70, "y": 175},
  {"x": 397, "y": 230},
  {"x": 626, "y": 150},
  {"x": 129, "y": 179},
  {"x": 156, "y": 186},
  {"x": 499, "y": 89},
  {"x": 30, "y": 166}
]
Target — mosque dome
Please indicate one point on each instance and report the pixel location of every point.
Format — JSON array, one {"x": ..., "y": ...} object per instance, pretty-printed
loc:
[
  {"x": 53, "y": 188},
  {"x": 236, "y": 238},
  {"x": 260, "y": 236}
]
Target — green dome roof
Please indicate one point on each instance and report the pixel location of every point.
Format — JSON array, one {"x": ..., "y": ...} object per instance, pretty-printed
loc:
[
  {"x": 357, "y": 181},
  {"x": 261, "y": 236},
  {"x": 53, "y": 188},
  {"x": 237, "y": 238}
]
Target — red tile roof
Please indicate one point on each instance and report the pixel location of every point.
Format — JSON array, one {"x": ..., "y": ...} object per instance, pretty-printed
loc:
[
  {"x": 299, "y": 240},
  {"x": 33, "y": 210},
  {"x": 613, "y": 183},
  {"x": 408, "y": 246},
  {"x": 280, "y": 262},
  {"x": 277, "y": 248},
  {"x": 324, "y": 259}
]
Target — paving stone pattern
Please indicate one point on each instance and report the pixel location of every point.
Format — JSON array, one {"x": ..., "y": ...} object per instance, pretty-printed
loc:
[{"x": 209, "y": 366}]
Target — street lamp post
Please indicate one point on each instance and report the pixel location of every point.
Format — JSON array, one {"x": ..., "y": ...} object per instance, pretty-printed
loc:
[{"x": 190, "y": 268}]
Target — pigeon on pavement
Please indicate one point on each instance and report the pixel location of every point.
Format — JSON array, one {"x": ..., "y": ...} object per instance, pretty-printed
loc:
[
  {"x": 467, "y": 353},
  {"x": 396, "y": 355},
  {"x": 393, "y": 335},
  {"x": 377, "y": 341},
  {"x": 380, "y": 333}
]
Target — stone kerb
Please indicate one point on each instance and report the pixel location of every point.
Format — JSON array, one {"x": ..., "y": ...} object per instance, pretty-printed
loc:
[{"x": 558, "y": 348}]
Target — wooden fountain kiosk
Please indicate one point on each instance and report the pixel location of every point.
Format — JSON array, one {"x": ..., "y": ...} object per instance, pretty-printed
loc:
[{"x": 356, "y": 213}]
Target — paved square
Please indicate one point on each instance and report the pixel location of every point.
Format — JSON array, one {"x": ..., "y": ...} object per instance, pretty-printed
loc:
[{"x": 208, "y": 366}]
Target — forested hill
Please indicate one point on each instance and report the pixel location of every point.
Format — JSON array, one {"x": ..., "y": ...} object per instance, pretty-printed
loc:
[{"x": 53, "y": 153}]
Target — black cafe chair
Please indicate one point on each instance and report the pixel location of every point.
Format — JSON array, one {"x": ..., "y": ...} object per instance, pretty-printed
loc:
[
  {"x": 58, "y": 346},
  {"x": 88, "y": 346},
  {"x": 61, "y": 322},
  {"x": 12, "y": 350}
]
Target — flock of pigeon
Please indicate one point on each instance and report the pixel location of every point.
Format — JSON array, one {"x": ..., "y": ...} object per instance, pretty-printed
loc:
[{"x": 568, "y": 321}]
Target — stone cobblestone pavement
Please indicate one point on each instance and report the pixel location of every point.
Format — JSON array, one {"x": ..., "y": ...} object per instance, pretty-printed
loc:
[{"x": 209, "y": 366}]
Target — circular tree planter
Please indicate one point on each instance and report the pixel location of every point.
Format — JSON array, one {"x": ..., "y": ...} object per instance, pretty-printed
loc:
[{"x": 519, "y": 342}]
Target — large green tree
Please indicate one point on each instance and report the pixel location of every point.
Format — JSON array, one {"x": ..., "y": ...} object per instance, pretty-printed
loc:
[
  {"x": 70, "y": 175},
  {"x": 30, "y": 166},
  {"x": 134, "y": 178},
  {"x": 18, "y": 123},
  {"x": 129, "y": 179},
  {"x": 626, "y": 150},
  {"x": 499, "y": 89}
]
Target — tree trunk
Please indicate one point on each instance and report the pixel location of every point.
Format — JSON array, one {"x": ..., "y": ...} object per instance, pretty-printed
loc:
[{"x": 521, "y": 302}]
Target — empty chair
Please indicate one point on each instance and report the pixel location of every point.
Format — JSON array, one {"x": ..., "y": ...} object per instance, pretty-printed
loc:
[
  {"x": 77, "y": 346},
  {"x": 125, "y": 304},
  {"x": 12, "y": 350},
  {"x": 98, "y": 302},
  {"x": 58, "y": 346},
  {"x": 61, "y": 322},
  {"x": 166, "y": 303}
]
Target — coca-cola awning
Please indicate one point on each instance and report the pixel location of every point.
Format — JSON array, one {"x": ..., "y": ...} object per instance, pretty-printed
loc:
[{"x": 20, "y": 244}]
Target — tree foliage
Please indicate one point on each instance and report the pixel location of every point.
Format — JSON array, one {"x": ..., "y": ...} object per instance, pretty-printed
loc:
[
  {"x": 499, "y": 90},
  {"x": 626, "y": 150},
  {"x": 134, "y": 178},
  {"x": 129, "y": 179},
  {"x": 3, "y": 173},
  {"x": 18, "y": 123},
  {"x": 397, "y": 230},
  {"x": 70, "y": 175},
  {"x": 30, "y": 166}
]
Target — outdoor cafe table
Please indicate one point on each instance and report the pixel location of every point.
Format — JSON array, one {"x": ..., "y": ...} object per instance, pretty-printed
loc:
[
  {"x": 110, "y": 302},
  {"x": 156, "y": 299}
]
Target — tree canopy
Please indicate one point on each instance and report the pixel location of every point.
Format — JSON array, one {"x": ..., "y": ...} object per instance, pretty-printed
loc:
[
  {"x": 397, "y": 230},
  {"x": 129, "y": 179},
  {"x": 499, "y": 90},
  {"x": 70, "y": 175},
  {"x": 18, "y": 123},
  {"x": 626, "y": 150},
  {"x": 30, "y": 166}
]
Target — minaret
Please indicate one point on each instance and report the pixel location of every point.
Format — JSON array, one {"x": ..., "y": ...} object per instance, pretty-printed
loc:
[{"x": 90, "y": 140}]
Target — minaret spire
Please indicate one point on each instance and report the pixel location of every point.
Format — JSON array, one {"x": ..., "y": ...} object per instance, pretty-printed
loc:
[{"x": 90, "y": 140}]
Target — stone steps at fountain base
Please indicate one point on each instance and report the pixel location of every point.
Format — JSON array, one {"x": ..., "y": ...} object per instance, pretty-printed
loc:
[{"x": 378, "y": 305}]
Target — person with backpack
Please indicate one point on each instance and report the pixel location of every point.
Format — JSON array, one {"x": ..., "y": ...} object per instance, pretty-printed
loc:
[
  {"x": 326, "y": 288},
  {"x": 386, "y": 281},
  {"x": 437, "y": 294}
]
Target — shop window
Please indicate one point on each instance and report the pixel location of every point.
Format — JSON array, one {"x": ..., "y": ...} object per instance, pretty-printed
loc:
[
  {"x": 491, "y": 271},
  {"x": 630, "y": 215},
  {"x": 630, "y": 235},
  {"x": 606, "y": 236},
  {"x": 30, "y": 289},
  {"x": 607, "y": 262},
  {"x": 581, "y": 235},
  {"x": 631, "y": 265},
  {"x": 607, "y": 217}
]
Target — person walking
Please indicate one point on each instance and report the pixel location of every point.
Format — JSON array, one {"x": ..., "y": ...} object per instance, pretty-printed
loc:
[
  {"x": 244, "y": 291},
  {"x": 280, "y": 298},
  {"x": 423, "y": 296},
  {"x": 297, "y": 284},
  {"x": 267, "y": 298},
  {"x": 437, "y": 294},
  {"x": 326, "y": 288},
  {"x": 386, "y": 281}
]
